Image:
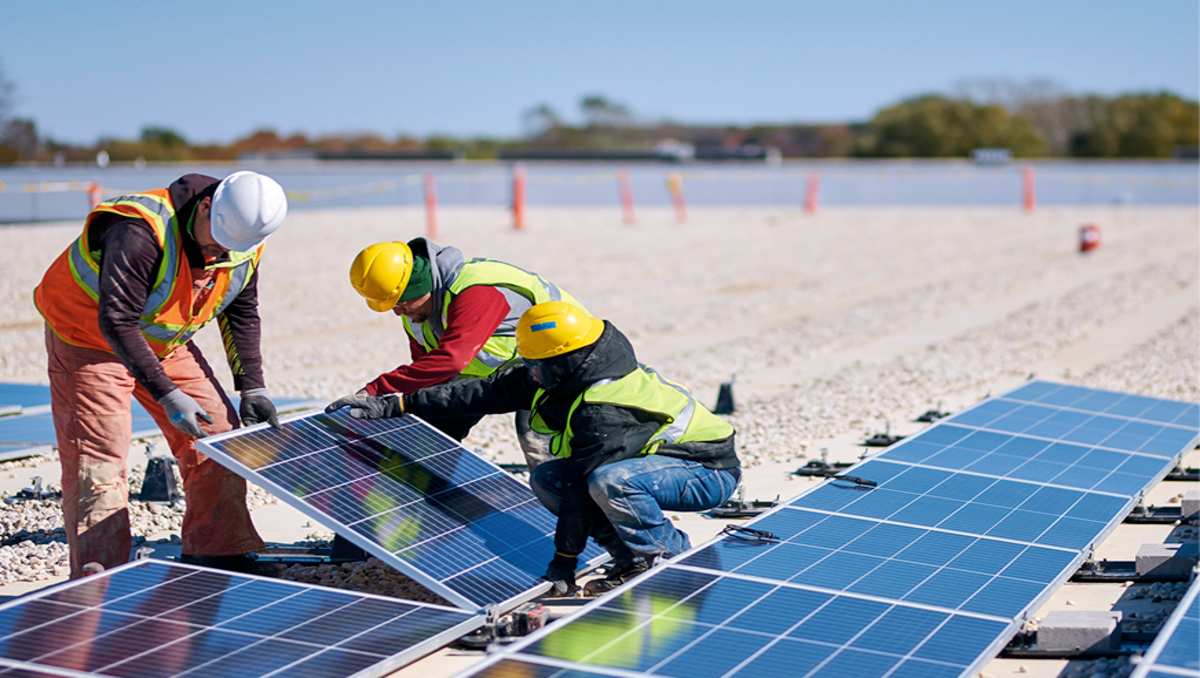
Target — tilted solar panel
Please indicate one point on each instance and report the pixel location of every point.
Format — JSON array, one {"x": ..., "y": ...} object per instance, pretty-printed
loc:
[
  {"x": 926, "y": 569},
  {"x": 409, "y": 495},
  {"x": 166, "y": 619},
  {"x": 1176, "y": 649}
]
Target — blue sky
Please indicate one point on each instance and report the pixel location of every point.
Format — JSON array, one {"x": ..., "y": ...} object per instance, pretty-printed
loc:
[{"x": 218, "y": 70}]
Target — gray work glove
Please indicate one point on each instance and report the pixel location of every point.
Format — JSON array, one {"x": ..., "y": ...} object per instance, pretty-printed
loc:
[
  {"x": 256, "y": 407},
  {"x": 561, "y": 574},
  {"x": 183, "y": 412},
  {"x": 363, "y": 406}
]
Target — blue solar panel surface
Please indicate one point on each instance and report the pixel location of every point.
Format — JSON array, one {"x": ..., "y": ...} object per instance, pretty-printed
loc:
[
  {"x": 1176, "y": 649},
  {"x": 409, "y": 495},
  {"x": 24, "y": 395},
  {"x": 165, "y": 619},
  {"x": 928, "y": 572}
]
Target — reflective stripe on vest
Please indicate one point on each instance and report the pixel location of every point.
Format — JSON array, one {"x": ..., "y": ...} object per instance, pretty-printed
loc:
[
  {"x": 156, "y": 209},
  {"x": 521, "y": 290},
  {"x": 685, "y": 420}
]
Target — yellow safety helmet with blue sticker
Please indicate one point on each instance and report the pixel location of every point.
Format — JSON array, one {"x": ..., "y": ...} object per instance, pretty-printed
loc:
[{"x": 553, "y": 328}]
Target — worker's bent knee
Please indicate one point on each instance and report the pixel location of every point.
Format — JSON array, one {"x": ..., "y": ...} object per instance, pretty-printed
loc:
[{"x": 609, "y": 482}]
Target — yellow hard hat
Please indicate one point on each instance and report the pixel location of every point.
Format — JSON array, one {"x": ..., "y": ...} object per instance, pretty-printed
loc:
[
  {"x": 554, "y": 328},
  {"x": 380, "y": 273}
]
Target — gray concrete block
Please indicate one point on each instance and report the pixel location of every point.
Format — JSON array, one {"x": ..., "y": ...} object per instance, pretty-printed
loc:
[
  {"x": 1069, "y": 630},
  {"x": 1191, "y": 503},
  {"x": 1167, "y": 559}
]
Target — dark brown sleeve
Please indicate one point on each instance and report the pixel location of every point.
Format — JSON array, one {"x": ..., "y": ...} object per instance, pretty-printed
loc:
[
  {"x": 128, "y": 260},
  {"x": 241, "y": 332}
]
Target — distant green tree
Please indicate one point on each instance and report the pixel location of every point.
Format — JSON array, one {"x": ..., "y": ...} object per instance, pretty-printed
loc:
[
  {"x": 1137, "y": 126},
  {"x": 935, "y": 126},
  {"x": 20, "y": 136},
  {"x": 163, "y": 136},
  {"x": 438, "y": 143},
  {"x": 599, "y": 111},
  {"x": 540, "y": 119}
]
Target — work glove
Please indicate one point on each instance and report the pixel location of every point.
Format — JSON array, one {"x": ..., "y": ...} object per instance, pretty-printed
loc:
[
  {"x": 364, "y": 406},
  {"x": 183, "y": 412},
  {"x": 256, "y": 407},
  {"x": 561, "y": 574}
]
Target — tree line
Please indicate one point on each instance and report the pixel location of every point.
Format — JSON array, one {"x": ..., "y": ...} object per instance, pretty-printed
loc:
[{"x": 1030, "y": 120}]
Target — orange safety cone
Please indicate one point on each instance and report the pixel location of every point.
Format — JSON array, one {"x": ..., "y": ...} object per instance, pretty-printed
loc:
[
  {"x": 812, "y": 191},
  {"x": 675, "y": 187},
  {"x": 626, "y": 191},
  {"x": 518, "y": 197},
  {"x": 1028, "y": 190},
  {"x": 1089, "y": 238},
  {"x": 431, "y": 226}
]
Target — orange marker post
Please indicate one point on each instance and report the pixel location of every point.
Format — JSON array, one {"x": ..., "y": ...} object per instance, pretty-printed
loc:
[
  {"x": 93, "y": 195},
  {"x": 518, "y": 198},
  {"x": 1029, "y": 189},
  {"x": 675, "y": 186},
  {"x": 626, "y": 191},
  {"x": 812, "y": 192},
  {"x": 431, "y": 226}
]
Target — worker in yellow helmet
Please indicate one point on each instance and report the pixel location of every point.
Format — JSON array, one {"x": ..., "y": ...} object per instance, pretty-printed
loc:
[
  {"x": 627, "y": 443},
  {"x": 460, "y": 316}
]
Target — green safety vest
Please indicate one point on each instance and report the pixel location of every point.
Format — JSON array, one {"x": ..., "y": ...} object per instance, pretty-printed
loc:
[
  {"x": 501, "y": 347},
  {"x": 684, "y": 419}
]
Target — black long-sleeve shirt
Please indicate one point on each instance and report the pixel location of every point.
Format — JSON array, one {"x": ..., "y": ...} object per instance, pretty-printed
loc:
[{"x": 129, "y": 259}]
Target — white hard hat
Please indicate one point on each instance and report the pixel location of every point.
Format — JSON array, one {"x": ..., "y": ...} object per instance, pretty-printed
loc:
[{"x": 246, "y": 208}]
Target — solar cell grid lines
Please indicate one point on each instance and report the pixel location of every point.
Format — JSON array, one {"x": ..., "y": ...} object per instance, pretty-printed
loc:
[
  {"x": 928, "y": 571},
  {"x": 1026, "y": 512},
  {"x": 166, "y": 619},
  {"x": 1176, "y": 649},
  {"x": 409, "y": 495}
]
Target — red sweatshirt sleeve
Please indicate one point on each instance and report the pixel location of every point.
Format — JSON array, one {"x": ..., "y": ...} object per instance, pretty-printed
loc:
[{"x": 472, "y": 318}]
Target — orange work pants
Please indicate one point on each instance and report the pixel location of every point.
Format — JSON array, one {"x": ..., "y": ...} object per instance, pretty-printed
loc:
[{"x": 90, "y": 398}]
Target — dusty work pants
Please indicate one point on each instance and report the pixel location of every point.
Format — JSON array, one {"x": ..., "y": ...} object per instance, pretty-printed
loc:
[{"x": 90, "y": 398}]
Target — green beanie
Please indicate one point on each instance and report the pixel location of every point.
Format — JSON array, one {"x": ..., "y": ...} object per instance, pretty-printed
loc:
[{"x": 420, "y": 282}]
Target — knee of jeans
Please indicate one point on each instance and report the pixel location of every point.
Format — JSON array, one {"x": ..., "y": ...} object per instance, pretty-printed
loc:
[{"x": 607, "y": 483}]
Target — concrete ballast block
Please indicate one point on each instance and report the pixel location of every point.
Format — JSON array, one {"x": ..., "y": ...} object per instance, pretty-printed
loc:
[
  {"x": 1070, "y": 630},
  {"x": 1191, "y": 503},
  {"x": 1167, "y": 560}
]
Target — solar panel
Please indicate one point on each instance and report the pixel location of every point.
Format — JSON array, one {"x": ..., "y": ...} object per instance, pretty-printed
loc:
[
  {"x": 410, "y": 496},
  {"x": 164, "y": 619},
  {"x": 926, "y": 571},
  {"x": 23, "y": 395},
  {"x": 1176, "y": 649},
  {"x": 32, "y": 431}
]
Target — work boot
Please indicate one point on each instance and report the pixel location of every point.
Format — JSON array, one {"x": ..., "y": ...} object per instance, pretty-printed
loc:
[
  {"x": 241, "y": 564},
  {"x": 618, "y": 573}
]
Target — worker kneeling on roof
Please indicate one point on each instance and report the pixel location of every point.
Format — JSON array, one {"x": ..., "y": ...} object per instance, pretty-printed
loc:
[
  {"x": 627, "y": 443},
  {"x": 461, "y": 319},
  {"x": 122, "y": 303}
]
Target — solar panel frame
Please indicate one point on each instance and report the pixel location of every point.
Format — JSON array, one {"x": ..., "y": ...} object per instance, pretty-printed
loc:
[
  {"x": 348, "y": 532},
  {"x": 386, "y": 664},
  {"x": 1014, "y": 623},
  {"x": 1183, "y": 624}
]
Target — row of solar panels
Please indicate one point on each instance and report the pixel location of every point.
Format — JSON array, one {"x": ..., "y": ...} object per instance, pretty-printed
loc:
[
  {"x": 27, "y": 426},
  {"x": 1176, "y": 649},
  {"x": 928, "y": 571}
]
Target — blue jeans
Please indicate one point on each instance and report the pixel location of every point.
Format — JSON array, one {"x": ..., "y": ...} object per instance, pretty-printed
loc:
[{"x": 633, "y": 494}]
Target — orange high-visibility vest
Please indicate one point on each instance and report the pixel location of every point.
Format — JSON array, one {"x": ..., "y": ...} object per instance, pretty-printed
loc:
[{"x": 68, "y": 296}]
